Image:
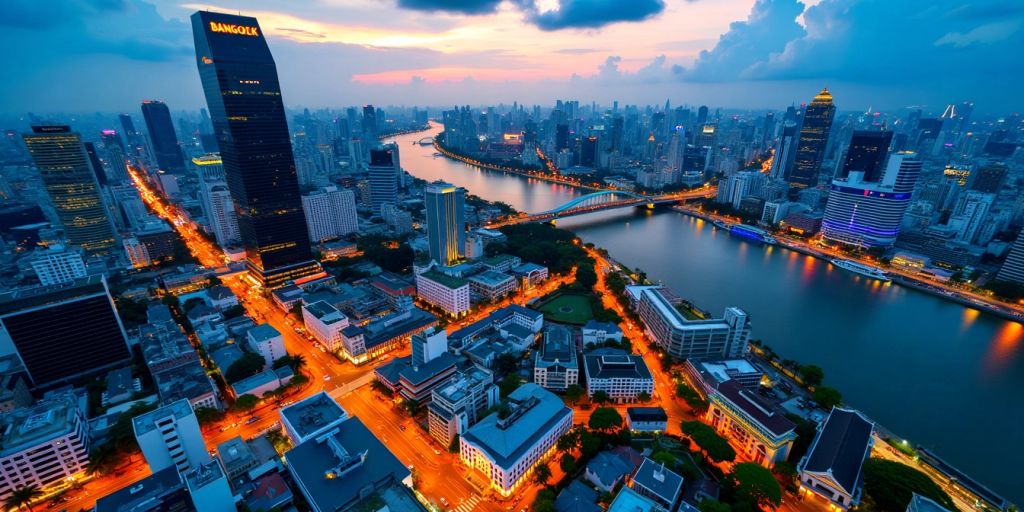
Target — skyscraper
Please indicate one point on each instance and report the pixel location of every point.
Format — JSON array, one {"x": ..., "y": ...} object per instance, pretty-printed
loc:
[
  {"x": 867, "y": 153},
  {"x": 383, "y": 177},
  {"x": 330, "y": 213},
  {"x": 369, "y": 124},
  {"x": 219, "y": 210},
  {"x": 243, "y": 95},
  {"x": 810, "y": 151},
  {"x": 989, "y": 179},
  {"x": 162, "y": 136},
  {"x": 446, "y": 224},
  {"x": 785, "y": 153},
  {"x": 1013, "y": 268},
  {"x": 69, "y": 179},
  {"x": 869, "y": 214}
]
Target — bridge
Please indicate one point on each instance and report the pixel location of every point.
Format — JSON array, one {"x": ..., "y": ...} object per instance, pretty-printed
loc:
[{"x": 605, "y": 200}]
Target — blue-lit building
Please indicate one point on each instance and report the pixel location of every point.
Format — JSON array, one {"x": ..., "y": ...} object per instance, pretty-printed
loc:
[
  {"x": 240, "y": 81},
  {"x": 162, "y": 136},
  {"x": 868, "y": 214},
  {"x": 446, "y": 223}
]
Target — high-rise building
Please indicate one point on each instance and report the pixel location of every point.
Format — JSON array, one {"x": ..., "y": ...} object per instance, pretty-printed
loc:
[
  {"x": 244, "y": 98},
  {"x": 60, "y": 156},
  {"x": 330, "y": 213},
  {"x": 446, "y": 224},
  {"x": 163, "y": 137},
  {"x": 971, "y": 211},
  {"x": 57, "y": 264},
  {"x": 383, "y": 177},
  {"x": 170, "y": 436},
  {"x": 369, "y": 123},
  {"x": 867, "y": 153},
  {"x": 989, "y": 179},
  {"x": 64, "y": 331},
  {"x": 869, "y": 214},
  {"x": 810, "y": 151},
  {"x": 785, "y": 153},
  {"x": 117, "y": 158},
  {"x": 44, "y": 445},
  {"x": 1013, "y": 268},
  {"x": 219, "y": 209},
  {"x": 428, "y": 345}
]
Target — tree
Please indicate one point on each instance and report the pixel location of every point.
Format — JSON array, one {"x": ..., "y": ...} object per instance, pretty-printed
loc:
[
  {"x": 101, "y": 460},
  {"x": 586, "y": 276},
  {"x": 544, "y": 502},
  {"x": 692, "y": 398},
  {"x": 600, "y": 397},
  {"x": 246, "y": 366},
  {"x": 542, "y": 473},
  {"x": 233, "y": 312},
  {"x": 889, "y": 486},
  {"x": 509, "y": 384},
  {"x": 604, "y": 418},
  {"x": 453, "y": 447},
  {"x": 411, "y": 406},
  {"x": 193, "y": 302},
  {"x": 568, "y": 441},
  {"x": 709, "y": 505},
  {"x": 506, "y": 363},
  {"x": 713, "y": 445},
  {"x": 590, "y": 444},
  {"x": 574, "y": 393},
  {"x": 381, "y": 388},
  {"x": 567, "y": 463},
  {"x": 22, "y": 497},
  {"x": 245, "y": 403},
  {"x": 298, "y": 362},
  {"x": 207, "y": 415},
  {"x": 643, "y": 396},
  {"x": 827, "y": 397},
  {"x": 751, "y": 483},
  {"x": 812, "y": 374}
]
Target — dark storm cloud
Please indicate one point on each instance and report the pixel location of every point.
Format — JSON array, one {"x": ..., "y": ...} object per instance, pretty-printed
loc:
[{"x": 592, "y": 13}]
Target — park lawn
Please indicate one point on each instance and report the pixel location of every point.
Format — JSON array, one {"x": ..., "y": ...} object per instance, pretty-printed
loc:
[{"x": 568, "y": 308}]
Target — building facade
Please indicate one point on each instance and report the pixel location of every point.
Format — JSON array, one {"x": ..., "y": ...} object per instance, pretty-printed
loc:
[
  {"x": 446, "y": 223},
  {"x": 448, "y": 293},
  {"x": 712, "y": 338},
  {"x": 330, "y": 213},
  {"x": 622, "y": 376},
  {"x": 170, "y": 436},
  {"x": 761, "y": 433}
]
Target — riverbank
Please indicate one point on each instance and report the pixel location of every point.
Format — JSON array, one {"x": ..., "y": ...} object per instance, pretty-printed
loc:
[
  {"x": 528, "y": 173},
  {"x": 901, "y": 278}
]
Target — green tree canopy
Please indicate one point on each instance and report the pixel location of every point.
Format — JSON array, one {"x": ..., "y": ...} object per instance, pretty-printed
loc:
[
  {"x": 827, "y": 397},
  {"x": 713, "y": 445},
  {"x": 248, "y": 365},
  {"x": 574, "y": 393},
  {"x": 752, "y": 483},
  {"x": 542, "y": 473},
  {"x": 812, "y": 374},
  {"x": 889, "y": 486},
  {"x": 567, "y": 463},
  {"x": 586, "y": 276},
  {"x": 245, "y": 403},
  {"x": 604, "y": 418},
  {"x": 600, "y": 397}
]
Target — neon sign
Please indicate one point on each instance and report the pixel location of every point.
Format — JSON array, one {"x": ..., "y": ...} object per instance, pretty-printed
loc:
[{"x": 240, "y": 30}]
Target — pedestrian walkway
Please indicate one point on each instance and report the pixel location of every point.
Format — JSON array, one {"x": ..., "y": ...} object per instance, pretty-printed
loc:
[{"x": 468, "y": 505}]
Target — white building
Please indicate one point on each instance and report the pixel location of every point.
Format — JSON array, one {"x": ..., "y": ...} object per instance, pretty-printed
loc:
[
  {"x": 449, "y": 293},
  {"x": 831, "y": 470},
  {"x": 622, "y": 376},
  {"x": 57, "y": 265},
  {"x": 457, "y": 404},
  {"x": 170, "y": 436},
  {"x": 555, "y": 366},
  {"x": 138, "y": 255},
  {"x": 492, "y": 285},
  {"x": 325, "y": 323},
  {"x": 428, "y": 345},
  {"x": 505, "y": 450},
  {"x": 717, "y": 338},
  {"x": 269, "y": 343},
  {"x": 311, "y": 417},
  {"x": 43, "y": 445},
  {"x": 971, "y": 211},
  {"x": 330, "y": 213},
  {"x": 219, "y": 210},
  {"x": 209, "y": 488}
]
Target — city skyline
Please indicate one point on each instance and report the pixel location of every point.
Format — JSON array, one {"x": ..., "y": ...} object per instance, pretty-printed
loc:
[{"x": 737, "y": 53}]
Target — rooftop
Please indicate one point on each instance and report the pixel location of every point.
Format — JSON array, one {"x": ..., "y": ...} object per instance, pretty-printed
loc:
[
  {"x": 646, "y": 414},
  {"x": 325, "y": 312},
  {"x": 417, "y": 375},
  {"x": 616, "y": 366},
  {"x": 335, "y": 468},
  {"x": 660, "y": 481},
  {"x": 920, "y": 503},
  {"x": 235, "y": 453},
  {"x": 26, "y": 427},
  {"x": 723, "y": 370},
  {"x": 146, "y": 493},
  {"x": 203, "y": 475},
  {"x": 609, "y": 467},
  {"x": 840, "y": 448},
  {"x": 187, "y": 381},
  {"x": 505, "y": 441},
  {"x": 577, "y": 497},
  {"x": 248, "y": 384},
  {"x": 263, "y": 332},
  {"x": 445, "y": 280},
  {"x": 313, "y": 414},
  {"x": 491, "y": 278},
  {"x": 756, "y": 408},
  {"x": 147, "y": 421},
  {"x": 30, "y": 297},
  {"x": 601, "y": 326},
  {"x": 558, "y": 345},
  {"x": 629, "y": 500}
]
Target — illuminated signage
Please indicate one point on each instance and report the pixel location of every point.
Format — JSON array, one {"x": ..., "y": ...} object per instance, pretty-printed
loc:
[{"x": 239, "y": 30}]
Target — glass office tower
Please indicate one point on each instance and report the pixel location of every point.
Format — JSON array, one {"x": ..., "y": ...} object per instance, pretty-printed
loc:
[{"x": 244, "y": 98}]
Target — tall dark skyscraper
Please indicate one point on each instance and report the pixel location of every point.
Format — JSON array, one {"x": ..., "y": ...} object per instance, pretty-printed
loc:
[
  {"x": 810, "y": 151},
  {"x": 588, "y": 152},
  {"x": 69, "y": 179},
  {"x": 127, "y": 124},
  {"x": 94, "y": 161},
  {"x": 162, "y": 136},
  {"x": 702, "y": 115},
  {"x": 383, "y": 178},
  {"x": 244, "y": 99},
  {"x": 867, "y": 153},
  {"x": 989, "y": 179},
  {"x": 369, "y": 124},
  {"x": 561, "y": 137}
]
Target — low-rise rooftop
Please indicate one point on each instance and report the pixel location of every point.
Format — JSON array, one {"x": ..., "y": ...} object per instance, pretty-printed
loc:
[
  {"x": 146, "y": 422},
  {"x": 26, "y": 427},
  {"x": 313, "y": 415},
  {"x": 535, "y": 411}
]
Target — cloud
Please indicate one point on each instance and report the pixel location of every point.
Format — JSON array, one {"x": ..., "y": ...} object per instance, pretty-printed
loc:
[
  {"x": 592, "y": 13},
  {"x": 985, "y": 34},
  {"x": 770, "y": 26},
  {"x": 471, "y": 7}
]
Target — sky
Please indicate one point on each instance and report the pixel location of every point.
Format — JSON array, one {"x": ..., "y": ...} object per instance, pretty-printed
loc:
[{"x": 109, "y": 55}]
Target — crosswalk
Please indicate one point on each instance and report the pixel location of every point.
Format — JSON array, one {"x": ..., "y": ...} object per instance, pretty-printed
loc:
[{"x": 468, "y": 505}]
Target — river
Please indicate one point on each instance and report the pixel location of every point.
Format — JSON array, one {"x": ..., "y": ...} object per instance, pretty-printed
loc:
[{"x": 945, "y": 376}]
